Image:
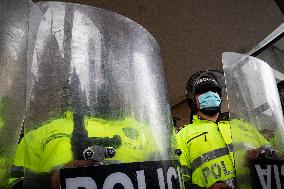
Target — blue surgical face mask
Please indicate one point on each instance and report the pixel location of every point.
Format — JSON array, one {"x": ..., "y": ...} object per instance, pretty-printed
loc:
[{"x": 209, "y": 100}]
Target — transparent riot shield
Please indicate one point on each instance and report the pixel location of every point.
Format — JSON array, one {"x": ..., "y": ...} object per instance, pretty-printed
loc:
[
  {"x": 98, "y": 97},
  {"x": 13, "y": 47},
  {"x": 256, "y": 119}
]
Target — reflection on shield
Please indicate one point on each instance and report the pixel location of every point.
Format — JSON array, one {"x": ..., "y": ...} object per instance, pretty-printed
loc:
[
  {"x": 13, "y": 47},
  {"x": 255, "y": 109},
  {"x": 95, "y": 81}
]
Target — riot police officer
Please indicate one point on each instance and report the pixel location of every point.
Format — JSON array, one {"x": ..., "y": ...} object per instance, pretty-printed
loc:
[{"x": 206, "y": 143}]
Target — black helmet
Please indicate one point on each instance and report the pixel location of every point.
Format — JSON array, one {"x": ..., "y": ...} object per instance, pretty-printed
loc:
[{"x": 202, "y": 81}]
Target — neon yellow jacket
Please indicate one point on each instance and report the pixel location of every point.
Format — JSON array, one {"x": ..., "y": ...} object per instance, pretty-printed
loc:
[
  {"x": 207, "y": 149},
  {"x": 49, "y": 146}
]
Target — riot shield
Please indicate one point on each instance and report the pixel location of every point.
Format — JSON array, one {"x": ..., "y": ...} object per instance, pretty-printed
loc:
[
  {"x": 256, "y": 119},
  {"x": 98, "y": 97},
  {"x": 13, "y": 47}
]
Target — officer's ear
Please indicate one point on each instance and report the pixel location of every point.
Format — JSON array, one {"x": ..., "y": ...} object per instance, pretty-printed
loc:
[
  {"x": 195, "y": 100},
  {"x": 193, "y": 109}
]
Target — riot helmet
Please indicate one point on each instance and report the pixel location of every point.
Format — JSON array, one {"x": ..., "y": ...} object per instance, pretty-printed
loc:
[{"x": 201, "y": 82}]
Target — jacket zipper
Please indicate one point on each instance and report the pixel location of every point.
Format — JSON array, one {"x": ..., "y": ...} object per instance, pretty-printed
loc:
[{"x": 204, "y": 133}]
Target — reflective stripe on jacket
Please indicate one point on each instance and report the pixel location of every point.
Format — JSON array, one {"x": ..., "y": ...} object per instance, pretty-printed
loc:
[
  {"x": 206, "y": 152},
  {"x": 207, "y": 149}
]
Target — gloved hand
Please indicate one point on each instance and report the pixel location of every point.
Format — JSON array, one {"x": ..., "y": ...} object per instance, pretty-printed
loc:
[
  {"x": 268, "y": 152},
  {"x": 253, "y": 154},
  {"x": 262, "y": 152}
]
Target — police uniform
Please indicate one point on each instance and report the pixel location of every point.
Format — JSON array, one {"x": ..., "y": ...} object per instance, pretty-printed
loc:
[{"x": 207, "y": 149}]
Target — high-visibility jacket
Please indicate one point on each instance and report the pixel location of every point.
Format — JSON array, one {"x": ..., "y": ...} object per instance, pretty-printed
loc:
[
  {"x": 49, "y": 146},
  {"x": 207, "y": 149}
]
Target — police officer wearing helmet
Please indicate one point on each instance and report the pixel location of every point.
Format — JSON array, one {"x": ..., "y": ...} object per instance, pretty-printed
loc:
[
  {"x": 204, "y": 82},
  {"x": 206, "y": 143}
]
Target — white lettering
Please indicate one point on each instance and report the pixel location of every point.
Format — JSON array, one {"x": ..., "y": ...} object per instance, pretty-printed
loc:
[
  {"x": 80, "y": 182},
  {"x": 203, "y": 80},
  {"x": 173, "y": 178},
  {"x": 141, "y": 179},
  {"x": 277, "y": 176},
  {"x": 179, "y": 170},
  {"x": 171, "y": 173},
  {"x": 118, "y": 178},
  {"x": 264, "y": 172},
  {"x": 161, "y": 178}
]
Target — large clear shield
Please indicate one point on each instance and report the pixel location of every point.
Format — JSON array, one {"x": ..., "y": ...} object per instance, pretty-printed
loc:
[
  {"x": 98, "y": 96},
  {"x": 13, "y": 47},
  {"x": 256, "y": 117}
]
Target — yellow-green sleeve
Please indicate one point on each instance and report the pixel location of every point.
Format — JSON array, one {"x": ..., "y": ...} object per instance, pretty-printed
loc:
[
  {"x": 28, "y": 151},
  {"x": 180, "y": 139}
]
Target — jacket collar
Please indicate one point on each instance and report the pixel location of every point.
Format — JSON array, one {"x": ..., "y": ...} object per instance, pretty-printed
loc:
[{"x": 198, "y": 119}]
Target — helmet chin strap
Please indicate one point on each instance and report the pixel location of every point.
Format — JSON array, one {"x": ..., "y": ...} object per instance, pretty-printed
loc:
[{"x": 210, "y": 111}]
